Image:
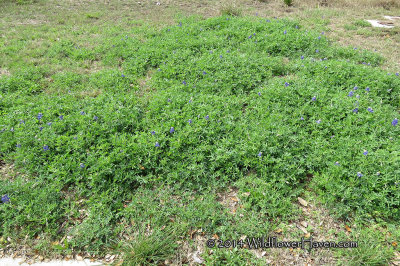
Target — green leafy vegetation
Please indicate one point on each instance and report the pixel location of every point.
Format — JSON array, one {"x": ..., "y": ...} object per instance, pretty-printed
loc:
[{"x": 264, "y": 105}]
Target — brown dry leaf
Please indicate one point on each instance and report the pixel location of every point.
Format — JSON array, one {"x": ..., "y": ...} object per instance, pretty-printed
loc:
[
  {"x": 302, "y": 202},
  {"x": 394, "y": 244},
  {"x": 278, "y": 231},
  {"x": 215, "y": 236},
  {"x": 141, "y": 167},
  {"x": 235, "y": 199},
  {"x": 192, "y": 233},
  {"x": 162, "y": 227},
  {"x": 348, "y": 229},
  {"x": 308, "y": 235}
]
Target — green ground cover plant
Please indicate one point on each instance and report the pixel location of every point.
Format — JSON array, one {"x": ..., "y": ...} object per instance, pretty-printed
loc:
[{"x": 262, "y": 104}]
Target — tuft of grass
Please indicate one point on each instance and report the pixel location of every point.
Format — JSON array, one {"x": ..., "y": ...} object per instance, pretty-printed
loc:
[
  {"x": 288, "y": 2},
  {"x": 230, "y": 9}
]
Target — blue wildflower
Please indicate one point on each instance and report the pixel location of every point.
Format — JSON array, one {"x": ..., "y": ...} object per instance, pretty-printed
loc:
[
  {"x": 75, "y": 137},
  {"x": 355, "y": 110},
  {"x": 49, "y": 123},
  {"x": 322, "y": 33},
  {"x": 259, "y": 154},
  {"x": 367, "y": 89},
  {"x": 220, "y": 56},
  {"x": 5, "y": 199},
  {"x": 153, "y": 132},
  {"x": 18, "y": 145},
  {"x": 184, "y": 82},
  {"x": 22, "y": 122},
  {"x": 337, "y": 163},
  {"x": 95, "y": 118},
  {"x": 359, "y": 174},
  {"x": 378, "y": 173},
  {"x": 355, "y": 88},
  {"x": 351, "y": 93},
  {"x": 250, "y": 36},
  {"x": 123, "y": 75},
  {"x": 314, "y": 98},
  {"x": 190, "y": 121},
  {"x": 172, "y": 130},
  {"x": 286, "y": 84},
  {"x": 259, "y": 94},
  {"x": 169, "y": 100},
  {"x": 370, "y": 110},
  {"x": 45, "y": 147},
  {"x": 61, "y": 117},
  {"x": 40, "y": 128},
  {"x": 204, "y": 72},
  {"x": 302, "y": 57},
  {"x": 317, "y": 51},
  {"x": 296, "y": 27},
  {"x": 319, "y": 121},
  {"x": 40, "y": 115},
  {"x": 207, "y": 117},
  {"x": 319, "y": 37},
  {"x": 82, "y": 165},
  {"x": 82, "y": 113},
  {"x": 397, "y": 74},
  {"x": 228, "y": 51},
  {"x": 157, "y": 144},
  {"x": 395, "y": 121},
  {"x": 12, "y": 129},
  {"x": 268, "y": 20},
  {"x": 285, "y": 32},
  {"x": 365, "y": 152},
  {"x": 358, "y": 96},
  {"x": 301, "y": 118}
]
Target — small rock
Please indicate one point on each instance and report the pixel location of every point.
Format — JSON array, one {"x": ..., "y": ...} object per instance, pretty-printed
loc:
[{"x": 302, "y": 202}]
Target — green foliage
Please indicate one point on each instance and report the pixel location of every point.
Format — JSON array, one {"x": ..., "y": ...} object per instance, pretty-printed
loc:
[
  {"x": 244, "y": 84},
  {"x": 288, "y": 2}
]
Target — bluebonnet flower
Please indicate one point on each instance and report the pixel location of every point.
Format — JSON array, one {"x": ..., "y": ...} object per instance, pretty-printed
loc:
[
  {"x": 220, "y": 56},
  {"x": 355, "y": 110},
  {"x": 286, "y": 84},
  {"x": 172, "y": 130},
  {"x": 180, "y": 24},
  {"x": 18, "y": 145},
  {"x": 365, "y": 152},
  {"x": 268, "y": 20},
  {"x": 190, "y": 121},
  {"x": 228, "y": 51},
  {"x": 207, "y": 117},
  {"x": 169, "y": 100},
  {"x": 358, "y": 96},
  {"x": 369, "y": 64},
  {"x": 359, "y": 174},
  {"x": 190, "y": 100},
  {"x": 22, "y": 122},
  {"x": 355, "y": 88},
  {"x": 61, "y": 117},
  {"x": 301, "y": 118},
  {"x": 397, "y": 74},
  {"x": 322, "y": 33},
  {"x": 211, "y": 52},
  {"x": 82, "y": 165},
  {"x": 204, "y": 72},
  {"x": 337, "y": 163},
  {"x": 49, "y": 123},
  {"x": 259, "y": 94},
  {"x": 285, "y": 32},
  {"x": 82, "y": 113},
  {"x": 5, "y": 199},
  {"x": 319, "y": 37},
  {"x": 355, "y": 48},
  {"x": 370, "y": 110},
  {"x": 123, "y": 75},
  {"x": 259, "y": 155},
  {"x": 319, "y": 121},
  {"x": 12, "y": 129},
  {"x": 254, "y": 34},
  {"x": 317, "y": 51},
  {"x": 95, "y": 118},
  {"x": 250, "y": 36},
  {"x": 157, "y": 144},
  {"x": 45, "y": 147},
  {"x": 351, "y": 93},
  {"x": 378, "y": 173},
  {"x": 159, "y": 69},
  {"x": 296, "y": 27},
  {"x": 314, "y": 98},
  {"x": 367, "y": 89},
  {"x": 395, "y": 121},
  {"x": 75, "y": 137},
  {"x": 302, "y": 57},
  {"x": 168, "y": 29},
  {"x": 40, "y": 115},
  {"x": 40, "y": 128},
  {"x": 184, "y": 82},
  {"x": 153, "y": 132}
]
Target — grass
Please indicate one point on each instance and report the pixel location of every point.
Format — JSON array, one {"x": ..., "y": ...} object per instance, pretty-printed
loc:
[{"x": 126, "y": 133}]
